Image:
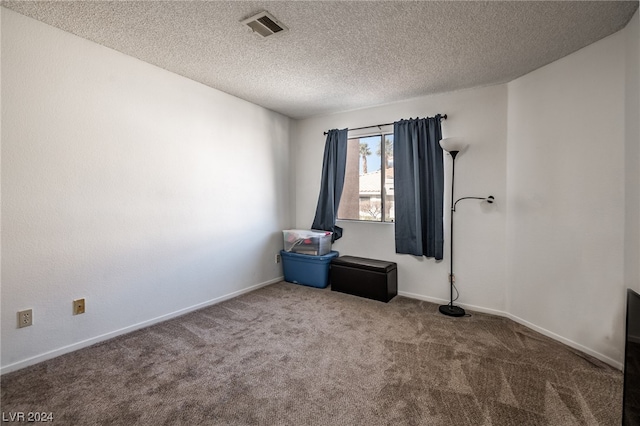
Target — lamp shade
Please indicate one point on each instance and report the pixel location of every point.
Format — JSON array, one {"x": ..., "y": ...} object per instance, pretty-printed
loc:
[{"x": 452, "y": 144}]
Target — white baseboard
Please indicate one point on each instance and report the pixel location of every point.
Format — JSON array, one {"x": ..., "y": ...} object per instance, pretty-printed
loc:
[
  {"x": 92, "y": 341},
  {"x": 85, "y": 343},
  {"x": 612, "y": 362}
]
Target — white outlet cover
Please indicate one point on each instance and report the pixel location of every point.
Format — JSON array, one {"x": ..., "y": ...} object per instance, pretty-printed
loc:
[{"x": 25, "y": 318}]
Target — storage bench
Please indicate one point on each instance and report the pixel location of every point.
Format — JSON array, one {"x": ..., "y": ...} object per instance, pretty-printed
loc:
[{"x": 359, "y": 276}]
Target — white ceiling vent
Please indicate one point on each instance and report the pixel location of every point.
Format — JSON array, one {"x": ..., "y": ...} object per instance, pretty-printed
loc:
[{"x": 264, "y": 25}]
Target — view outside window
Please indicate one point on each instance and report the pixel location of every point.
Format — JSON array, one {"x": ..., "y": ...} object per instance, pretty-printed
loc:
[{"x": 368, "y": 183}]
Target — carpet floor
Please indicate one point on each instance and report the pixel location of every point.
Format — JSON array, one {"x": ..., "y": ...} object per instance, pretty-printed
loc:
[{"x": 292, "y": 355}]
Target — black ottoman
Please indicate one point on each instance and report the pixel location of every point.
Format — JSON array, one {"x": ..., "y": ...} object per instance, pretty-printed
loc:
[{"x": 370, "y": 278}]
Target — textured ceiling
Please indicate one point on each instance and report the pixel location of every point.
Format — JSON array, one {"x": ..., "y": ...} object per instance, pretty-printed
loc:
[{"x": 339, "y": 55}]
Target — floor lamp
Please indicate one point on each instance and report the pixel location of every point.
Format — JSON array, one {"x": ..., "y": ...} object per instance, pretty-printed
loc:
[{"x": 453, "y": 147}]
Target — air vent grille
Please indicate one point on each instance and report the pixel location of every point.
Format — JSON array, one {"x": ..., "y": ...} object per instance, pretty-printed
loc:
[
  {"x": 264, "y": 24},
  {"x": 267, "y": 22}
]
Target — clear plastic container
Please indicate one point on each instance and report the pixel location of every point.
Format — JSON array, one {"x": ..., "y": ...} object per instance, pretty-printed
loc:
[{"x": 307, "y": 241}]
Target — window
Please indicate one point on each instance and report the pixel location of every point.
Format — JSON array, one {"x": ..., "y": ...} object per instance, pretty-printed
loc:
[{"x": 368, "y": 182}]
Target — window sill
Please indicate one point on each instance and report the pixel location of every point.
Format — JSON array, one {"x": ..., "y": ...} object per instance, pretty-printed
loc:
[{"x": 363, "y": 221}]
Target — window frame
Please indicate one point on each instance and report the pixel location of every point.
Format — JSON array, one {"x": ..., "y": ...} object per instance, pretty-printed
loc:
[{"x": 383, "y": 161}]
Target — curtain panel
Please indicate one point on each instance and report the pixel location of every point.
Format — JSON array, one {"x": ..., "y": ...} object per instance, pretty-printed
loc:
[
  {"x": 419, "y": 187},
  {"x": 333, "y": 167}
]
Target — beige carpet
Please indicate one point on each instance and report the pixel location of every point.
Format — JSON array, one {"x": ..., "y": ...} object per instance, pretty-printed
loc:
[{"x": 293, "y": 355}]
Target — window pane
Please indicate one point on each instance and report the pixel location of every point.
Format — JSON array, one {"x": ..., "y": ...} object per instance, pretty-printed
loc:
[
  {"x": 348, "y": 208},
  {"x": 370, "y": 179},
  {"x": 389, "y": 213},
  {"x": 361, "y": 196}
]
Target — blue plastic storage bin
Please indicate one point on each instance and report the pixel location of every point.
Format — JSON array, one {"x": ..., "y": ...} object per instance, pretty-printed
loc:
[{"x": 307, "y": 269}]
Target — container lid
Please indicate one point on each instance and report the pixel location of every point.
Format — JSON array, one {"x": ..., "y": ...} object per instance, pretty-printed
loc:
[
  {"x": 304, "y": 232},
  {"x": 364, "y": 263},
  {"x": 310, "y": 257}
]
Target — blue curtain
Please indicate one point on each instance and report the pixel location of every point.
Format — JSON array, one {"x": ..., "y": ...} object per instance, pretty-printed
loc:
[
  {"x": 419, "y": 187},
  {"x": 333, "y": 166}
]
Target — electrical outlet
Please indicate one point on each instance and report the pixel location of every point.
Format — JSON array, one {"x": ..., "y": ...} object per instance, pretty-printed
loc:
[
  {"x": 25, "y": 318},
  {"x": 278, "y": 258},
  {"x": 78, "y": 306}
]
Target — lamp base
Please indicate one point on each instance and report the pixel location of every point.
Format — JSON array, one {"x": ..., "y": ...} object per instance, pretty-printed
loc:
[{"x": 452, "y": 311}]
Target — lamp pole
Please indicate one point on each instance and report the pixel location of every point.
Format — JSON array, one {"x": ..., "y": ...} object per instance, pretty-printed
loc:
[
  {"x": 450, "y": 309},
  {"x": 453, "y": 147}
]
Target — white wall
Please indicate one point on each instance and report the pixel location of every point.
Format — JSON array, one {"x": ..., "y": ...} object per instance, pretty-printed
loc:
[
  {"x": 632, "y": 155},
  {"x": 144, "y": 192},
  {"x": 478, "y": 116},
  {"x": 566, "y": 197}
]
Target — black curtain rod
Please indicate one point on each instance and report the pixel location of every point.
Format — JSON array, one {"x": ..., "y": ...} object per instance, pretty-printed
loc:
[{"x": 442, "y": 117}]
